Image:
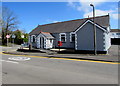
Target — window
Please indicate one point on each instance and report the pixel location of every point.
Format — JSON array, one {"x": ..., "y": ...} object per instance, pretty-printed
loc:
[
  {"x": 112, "y": 33},
  {"x": 72, "y": 37},
  {"x": 63, "y": 37},
  {"x": 117, "y": 33}
]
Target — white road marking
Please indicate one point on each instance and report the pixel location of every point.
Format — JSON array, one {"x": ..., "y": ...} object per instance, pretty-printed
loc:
[
  {"x": 19, "y": 58},
  {"x": 9, "y": 61}
]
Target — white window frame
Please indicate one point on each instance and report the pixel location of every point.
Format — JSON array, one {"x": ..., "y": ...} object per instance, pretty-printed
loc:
[
  {"x": 60, "y": 36},
  {"x": 71, "y": 36}
]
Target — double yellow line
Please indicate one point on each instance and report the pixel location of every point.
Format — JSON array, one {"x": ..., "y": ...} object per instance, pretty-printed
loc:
[{"x": 64, "y": 59}]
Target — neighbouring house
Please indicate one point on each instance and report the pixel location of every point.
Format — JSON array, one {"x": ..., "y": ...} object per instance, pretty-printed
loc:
[
  {"x": 75, "y": 34},
  {"x": 115, "y": 36}
]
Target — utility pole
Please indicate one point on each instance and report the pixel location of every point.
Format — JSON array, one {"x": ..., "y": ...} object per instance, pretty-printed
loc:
[{"x": 94, "y": 29}]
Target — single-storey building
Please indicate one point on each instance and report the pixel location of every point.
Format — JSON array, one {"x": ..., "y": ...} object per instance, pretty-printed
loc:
[{"x": 75, "y": 34}]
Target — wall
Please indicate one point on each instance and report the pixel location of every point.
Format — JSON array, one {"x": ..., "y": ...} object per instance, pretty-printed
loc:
[
  {"x": 66, "y": 44},
  {"x": 107, "y": 38},
  {"x": 85, "y": 38},
  {"x": 49, "y": 44}
]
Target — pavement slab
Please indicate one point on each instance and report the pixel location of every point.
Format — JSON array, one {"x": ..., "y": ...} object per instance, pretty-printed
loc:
[{"x": 113, "y": 55}]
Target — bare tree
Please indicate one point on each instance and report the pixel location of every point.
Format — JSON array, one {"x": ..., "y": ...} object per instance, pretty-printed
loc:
[{"x": 9, "y": 23}]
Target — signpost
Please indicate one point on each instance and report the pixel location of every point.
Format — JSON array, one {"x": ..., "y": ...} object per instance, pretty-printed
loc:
[
  {"x": 7, "y": 36},
  {"x": 13, "y": 37}
]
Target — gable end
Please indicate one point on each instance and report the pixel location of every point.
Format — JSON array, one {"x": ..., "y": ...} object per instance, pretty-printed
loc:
[{"x": 92, "y": 23}]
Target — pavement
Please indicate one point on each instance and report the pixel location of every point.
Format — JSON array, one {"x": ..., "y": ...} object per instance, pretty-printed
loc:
[{"x": 111, "y": 57}]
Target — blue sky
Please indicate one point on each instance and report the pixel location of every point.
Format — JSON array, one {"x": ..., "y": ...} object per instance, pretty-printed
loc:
[{"x": 30, "y": 14}]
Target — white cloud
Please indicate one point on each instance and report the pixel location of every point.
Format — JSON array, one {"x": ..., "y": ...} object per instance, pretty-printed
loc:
[
  {"x": 51, "y": 21},
  {"x": 53, "y": 0},
  {"x": 55, "y": 21},
  {"x": 98, "y": 13},
  {"x": 115, "y": 16},
  {"x": 84, "y": 6},
  {"x": 92, "y": 0},
  {"x": 71, "y": 3},
  {"x": 112, "y": 13}
]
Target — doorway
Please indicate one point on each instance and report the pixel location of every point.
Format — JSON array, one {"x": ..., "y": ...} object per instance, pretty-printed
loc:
[{"x": 42, "y": 42}]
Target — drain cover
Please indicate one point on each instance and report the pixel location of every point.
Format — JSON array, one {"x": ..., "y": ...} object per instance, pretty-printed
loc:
[{"x": 19, "y": 58}]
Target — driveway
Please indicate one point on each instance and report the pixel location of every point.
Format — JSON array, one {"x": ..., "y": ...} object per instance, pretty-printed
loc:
[{"x": 114, "y": 50}]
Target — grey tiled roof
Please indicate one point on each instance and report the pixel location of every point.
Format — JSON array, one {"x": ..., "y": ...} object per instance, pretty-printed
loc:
[{"x": 69, "y": 26}]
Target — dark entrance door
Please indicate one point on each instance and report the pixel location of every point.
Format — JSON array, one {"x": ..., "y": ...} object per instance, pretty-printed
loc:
[{"x": 41, "y": 42}]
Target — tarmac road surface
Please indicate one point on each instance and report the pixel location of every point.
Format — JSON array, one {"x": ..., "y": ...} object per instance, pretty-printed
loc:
[{"x": 56, "y": 71}]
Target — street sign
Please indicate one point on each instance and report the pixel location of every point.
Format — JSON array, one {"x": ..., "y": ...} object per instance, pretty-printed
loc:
[
  {"x": 13, "y": 36},
  {"x": 7, "y": 36}
]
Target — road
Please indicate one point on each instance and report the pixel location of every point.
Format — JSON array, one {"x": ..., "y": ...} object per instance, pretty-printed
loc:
[{"x": 56, "y": 71}]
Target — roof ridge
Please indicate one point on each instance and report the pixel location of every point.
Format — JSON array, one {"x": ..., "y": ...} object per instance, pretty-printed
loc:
[{"x": 73, "y": 20}]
